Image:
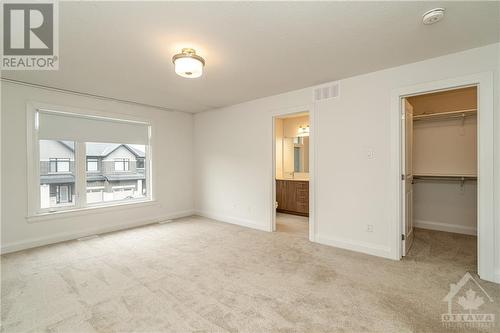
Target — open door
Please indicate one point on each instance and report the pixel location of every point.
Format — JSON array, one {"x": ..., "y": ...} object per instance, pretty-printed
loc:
[{"x": 407, "y": 178}]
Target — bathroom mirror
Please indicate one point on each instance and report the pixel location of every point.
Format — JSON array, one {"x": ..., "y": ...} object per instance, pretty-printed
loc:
[{"x": 296, "y": 155}]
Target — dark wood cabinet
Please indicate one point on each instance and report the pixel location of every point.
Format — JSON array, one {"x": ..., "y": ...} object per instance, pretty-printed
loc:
[{"x": 292, "y": 196}]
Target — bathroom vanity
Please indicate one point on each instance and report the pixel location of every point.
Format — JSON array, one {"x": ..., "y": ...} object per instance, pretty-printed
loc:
[{"x": 292, "y": 196}]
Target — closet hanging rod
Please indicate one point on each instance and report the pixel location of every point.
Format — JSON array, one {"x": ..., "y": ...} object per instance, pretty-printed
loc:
[
  {"x": 448, "y": 178},
  {"x": 446, "y": 115}
]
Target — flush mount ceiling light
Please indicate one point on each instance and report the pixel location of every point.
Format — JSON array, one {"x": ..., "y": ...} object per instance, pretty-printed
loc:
[
  {"x": 188, "y": 63},
  {"x": 433, "y": 16}
]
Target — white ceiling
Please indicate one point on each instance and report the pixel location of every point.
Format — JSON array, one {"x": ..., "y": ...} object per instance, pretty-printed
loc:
[{"x": 252, "y": 49}]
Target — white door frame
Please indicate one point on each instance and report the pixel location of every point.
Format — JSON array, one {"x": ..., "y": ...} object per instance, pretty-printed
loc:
[
  {"x": 312, "y": 165},
  {"x": 485, "y": 168}
]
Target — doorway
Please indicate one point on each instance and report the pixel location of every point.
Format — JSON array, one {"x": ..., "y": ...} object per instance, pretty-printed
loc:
[
  {"x": 440, "y": 175},
  {"x": 482, "y": 179},
  {"x": 292, "y": 155}
]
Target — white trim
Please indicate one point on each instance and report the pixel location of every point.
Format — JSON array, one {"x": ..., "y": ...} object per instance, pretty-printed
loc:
[
  {"x": 233, "y": 220},
  {"x": 310, "y": 109},
  {"x": 91, "y": 209},
  {"x": 357, "y": 246},
  {"x": 448, "y": 227},
  {"x": 486, "y": 224},
  {"x": 66, "y": 236}
]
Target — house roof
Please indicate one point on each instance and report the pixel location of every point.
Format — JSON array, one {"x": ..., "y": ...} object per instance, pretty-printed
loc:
[
  {"x": 104, "y": 149},
  {"x": 57, "y": 179}
]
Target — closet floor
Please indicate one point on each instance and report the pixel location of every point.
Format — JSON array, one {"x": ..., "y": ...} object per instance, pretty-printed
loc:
[{"x": 449, "y": 248}]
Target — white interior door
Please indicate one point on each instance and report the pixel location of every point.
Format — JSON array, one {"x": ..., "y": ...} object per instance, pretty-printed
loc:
[{"x": 408, "y": 177}]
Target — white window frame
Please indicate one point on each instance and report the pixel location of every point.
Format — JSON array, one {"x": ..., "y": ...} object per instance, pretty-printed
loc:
[
  {"x": 124, "y": 162},
  {"x": 58, "y": 160},
  {"x": 33, "y": 162},
  {"x": 93, "y": 160}
]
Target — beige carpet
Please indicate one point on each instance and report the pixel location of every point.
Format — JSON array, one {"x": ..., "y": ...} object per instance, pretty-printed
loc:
[{"x": 198, "y": 275}]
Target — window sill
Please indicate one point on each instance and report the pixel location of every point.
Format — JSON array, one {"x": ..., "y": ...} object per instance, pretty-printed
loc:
[{"x": 90, "y": 210}]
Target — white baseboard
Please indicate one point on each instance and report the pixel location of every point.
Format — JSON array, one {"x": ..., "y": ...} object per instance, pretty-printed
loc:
[
  {"x": 497, "y": 276},
  {"x": 357, "y": 246},
  {"x": 233, "y": 220},
  {"x": 439, "y": 226},
  {"x": 66, "y": 236}
]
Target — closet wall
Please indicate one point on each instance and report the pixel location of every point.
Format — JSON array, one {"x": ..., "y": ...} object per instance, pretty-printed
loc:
[{"x": 445, "y": 147}]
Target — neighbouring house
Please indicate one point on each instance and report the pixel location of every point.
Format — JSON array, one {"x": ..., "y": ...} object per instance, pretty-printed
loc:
[{"x": 114, "y": 172}]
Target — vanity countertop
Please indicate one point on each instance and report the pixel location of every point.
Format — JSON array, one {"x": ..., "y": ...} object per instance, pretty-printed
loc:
[{"x": 293, "y": 179}]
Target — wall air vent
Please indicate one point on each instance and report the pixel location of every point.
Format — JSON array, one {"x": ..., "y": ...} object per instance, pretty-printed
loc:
[{"x": 326, "y": 91}]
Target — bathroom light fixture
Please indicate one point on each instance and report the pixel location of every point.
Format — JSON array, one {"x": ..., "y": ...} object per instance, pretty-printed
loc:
[
  {"x": 188, "y": 64},
  {"x": 433, "y": 16},
  {"x": 303, "y": 131}
]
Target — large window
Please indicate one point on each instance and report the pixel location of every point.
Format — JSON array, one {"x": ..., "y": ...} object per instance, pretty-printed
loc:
[{"x": 104, "y": 159}]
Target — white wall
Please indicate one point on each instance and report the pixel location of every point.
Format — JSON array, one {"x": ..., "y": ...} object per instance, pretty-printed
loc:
[
  {"x": 233, "y": 153},
  {"x": 172, "y": 171}
]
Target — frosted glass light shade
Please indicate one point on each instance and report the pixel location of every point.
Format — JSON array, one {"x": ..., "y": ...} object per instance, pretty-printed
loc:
[
  {"x": 188, "y": 67},
  {"x": 188, "y": 64}
]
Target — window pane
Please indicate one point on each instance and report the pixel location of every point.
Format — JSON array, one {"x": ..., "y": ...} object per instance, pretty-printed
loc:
[
  {"x": 140, "y": 163},
  {"x": 118, "y": 165},
  {"x": 117, "y": 179},
  {"x": 92, "y": 164},
  {"x": 63, "y": 165},
  {"x": 57, "y": 173}
]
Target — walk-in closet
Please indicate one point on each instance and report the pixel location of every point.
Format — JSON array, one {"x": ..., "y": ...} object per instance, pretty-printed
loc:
[{"x": 441, "y": 171}]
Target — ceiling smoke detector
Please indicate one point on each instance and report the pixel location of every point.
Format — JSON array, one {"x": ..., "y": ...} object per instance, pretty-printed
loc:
[{"x": 433, "y": 16}]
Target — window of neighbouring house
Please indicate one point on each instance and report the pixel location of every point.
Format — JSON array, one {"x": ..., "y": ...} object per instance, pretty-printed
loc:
[
  {"x": 122, "y": 164},
  {"x": 92, "y": 155},
  {"x": 57, "y": 176},
  {"x": 59, "y": 165},
  {"x": 92, "y": 164},
  {"x": 140, "y": 163}
]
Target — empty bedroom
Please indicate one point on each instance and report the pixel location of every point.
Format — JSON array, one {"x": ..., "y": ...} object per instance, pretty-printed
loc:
[{"x": 199, "y": 166}]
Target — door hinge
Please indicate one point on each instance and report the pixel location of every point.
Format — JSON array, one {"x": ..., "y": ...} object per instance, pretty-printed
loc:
[
  {"x": 402, "y": 237},
  {"x": 402, "y": 177}
]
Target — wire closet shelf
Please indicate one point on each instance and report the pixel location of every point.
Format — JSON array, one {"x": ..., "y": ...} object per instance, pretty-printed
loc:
[{"x": 461, "y": 114}]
